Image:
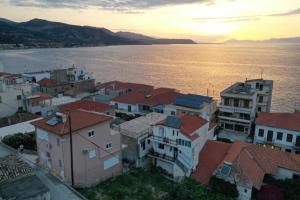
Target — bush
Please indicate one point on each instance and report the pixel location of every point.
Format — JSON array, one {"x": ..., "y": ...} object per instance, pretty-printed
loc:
[
  {"x": 220, "y": 186},
  {"x": 28, "y": 140}
]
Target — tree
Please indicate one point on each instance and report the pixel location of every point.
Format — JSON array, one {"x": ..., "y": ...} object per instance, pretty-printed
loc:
[
  {"x": 28, "y": 140},
  {"x": 220, "y": 186}
]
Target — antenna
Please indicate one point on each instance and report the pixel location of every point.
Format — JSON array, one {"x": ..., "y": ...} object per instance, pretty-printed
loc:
[{"x": 261, "y": 73}]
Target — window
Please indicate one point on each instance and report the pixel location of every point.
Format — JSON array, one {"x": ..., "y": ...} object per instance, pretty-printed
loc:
[
  {"x": 109, "y": 145},
  {"x": 289, "y": 138},
  {"x": 161, "y": 146},
  {"x": 148, "y": 141},
  {"x": 116, "y": 106},
  {"x": 261, "y": 87},
  {"x": 261, "y": 99},
  {"x": 226, "y": 102},
  {"x": 171, "y": 148},
  {"x": 60, "y": 163},
  {"x": 143, "y": 145},
  {"x": 236, "y": 103},
  {"x": 261, "y": 132},
  {"x": 288, "y": 150},
  {"x": 58, "y": 141},
  {"x": 0, "y": 99},
  {"x": 173, "y": 132},
  {"x": 245, "y": 190},
  {"x": 92, "y": 153},
  {"x": 172, "y": 112},
  {"x": 296, "y": 177},
  {"x": 297, "y": 152},
  {"x": 259, "y": 109},
  {"x": 161, "y": 131},
  {"x": 19, "y": 97},
  {"x": 279, "y": 135},
  {"x": 48, "y": 155},
  {"x": 246, "y": 103},
  {"x": 91, "y": 133},
  {"x": 257, "y": 85}
]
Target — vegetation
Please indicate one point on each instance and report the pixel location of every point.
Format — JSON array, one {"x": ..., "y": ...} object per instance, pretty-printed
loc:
[
  {"x": 290, "y": 187},
  {"x": 224, "y": 140},
  {"x": 220, "y": 186},
  {"x": 28, "y": 140},
  {"x": 139, "y": 184}
]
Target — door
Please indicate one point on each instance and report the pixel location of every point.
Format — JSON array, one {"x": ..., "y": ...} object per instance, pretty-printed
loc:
[
  {"x": 270, "y": 136},
  {"x": 175, "y": 153},
  {"x": 129, "y": 108},
  {"x": 298, "y": 141}
]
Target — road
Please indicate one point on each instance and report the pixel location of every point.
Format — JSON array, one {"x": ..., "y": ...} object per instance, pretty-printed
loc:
[{"x": 58, "y": 190}]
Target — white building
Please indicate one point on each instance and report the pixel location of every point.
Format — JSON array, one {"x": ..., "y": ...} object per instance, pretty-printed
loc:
[
  {"x": 12, "y": 97},
  {"x": 192, "y": 104},
  {"x": 78, "y": 74},
  {"x": 35, "y": 76},
  {"x": 241, "y": 102},
  {"x": 177, "y": 142},
  {"x": 281, "y": 130},
  {"x": 135, "y": 135}
]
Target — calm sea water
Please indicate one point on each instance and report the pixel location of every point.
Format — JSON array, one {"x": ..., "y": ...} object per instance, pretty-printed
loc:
[{"x": 191, "y": 68}]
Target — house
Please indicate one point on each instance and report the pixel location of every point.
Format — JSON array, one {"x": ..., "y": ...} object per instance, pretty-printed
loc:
[
  {"x": 241, "y": 102},
  {"x": 280, "y": 130},
  {"x": 193, "y": 104},
  {"x": 72, "y": 74},
  {"x": 141, "y": 103},
  {"x": 18, "y": 181},
  {"x": 245, "y": 164},
  {"x": 35, "y": 76},
  {"x": 114, "y": 89},
  {"x": 135, "y": 135},
  {"x": 79, "y": 146},
  {"x": 53, "y": 87},
  {"x": 177, "y": 141},
  {"x": 12, "y": 97},
  {"x": 88, "y": 105}
]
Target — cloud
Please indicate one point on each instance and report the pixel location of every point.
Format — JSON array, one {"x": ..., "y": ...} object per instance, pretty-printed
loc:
[
  {"x": 121, "y": 5},
  {"x": 229, "y": 19},
  {"x": 292, "y": 12}
]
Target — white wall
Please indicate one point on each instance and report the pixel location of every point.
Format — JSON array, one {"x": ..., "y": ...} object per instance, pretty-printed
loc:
[
  {"x": 124, "y": 106},
  {"x": 245, "y": 193},
  {"x": 282, "y": 143},
  {"x": 285, "y": 173}
]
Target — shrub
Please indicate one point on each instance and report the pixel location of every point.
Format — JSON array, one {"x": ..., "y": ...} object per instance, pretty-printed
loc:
[
  {"x": 220, "y": 186},
  {"x": 28, "y": 140}
]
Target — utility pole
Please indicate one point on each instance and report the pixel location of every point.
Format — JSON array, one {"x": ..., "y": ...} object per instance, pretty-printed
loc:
[{"x": 71, "y": 149}]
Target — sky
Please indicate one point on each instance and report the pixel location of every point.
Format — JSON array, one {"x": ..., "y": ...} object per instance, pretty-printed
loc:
[{"x": 200, "y": 20}]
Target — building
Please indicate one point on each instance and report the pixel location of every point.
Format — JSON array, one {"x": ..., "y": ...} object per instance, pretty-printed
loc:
[
  {"x": 13, "y": 96},
  {"x": 53, "y": 87},
  {"x": 36, "y": 76},
  {"x": 135, "y": 135},
  {"x": 280, "y": 130},
  {"x": 241, "y": 102},
  {"x": 93, "y": 151},
  {"x": 246, "y": 165},
  {"x": 72, "y": 74},
  {"x": 18, "y": 182},
  {"x": 198, "y": 105},
  {"x": 88, "y": 105},
  {"x": 177, "y": 141},
  {"x": 114, "y": 89},
  {"x": 141, "y": 103}
]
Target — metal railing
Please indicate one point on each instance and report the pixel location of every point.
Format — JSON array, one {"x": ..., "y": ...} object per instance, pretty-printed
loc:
[{"x": 164, "y": 140}]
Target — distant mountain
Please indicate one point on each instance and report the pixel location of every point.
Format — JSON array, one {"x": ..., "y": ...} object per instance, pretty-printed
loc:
[
  {"x": 273, "y": 40},
  {"x": 43, "y": 33}
]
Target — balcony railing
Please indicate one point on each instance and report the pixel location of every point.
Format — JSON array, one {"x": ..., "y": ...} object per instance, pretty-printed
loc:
[
  {"x": 154, "y": 154},
  {"x": 164, "y": 140}
]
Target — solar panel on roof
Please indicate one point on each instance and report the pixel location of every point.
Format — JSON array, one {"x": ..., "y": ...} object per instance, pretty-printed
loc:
[
  {"x": 191, "y": 100},
  {"x": 225, "y": 171},
  {"x": 174, "y": 122},
  {"x": 53, "y": 121}
]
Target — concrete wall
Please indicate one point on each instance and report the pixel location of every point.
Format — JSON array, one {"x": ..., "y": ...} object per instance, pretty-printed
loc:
[
  {"x": 124, "y": 107},
  {"x": 285, "y": 173},
  {"x": 245, "y": 193}
]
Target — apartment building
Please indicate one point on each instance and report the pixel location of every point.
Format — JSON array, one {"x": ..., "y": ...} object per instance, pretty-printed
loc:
[
  {"x": 12, "y": 96},
  {"x": 246, "y": 165},
  {"x": 241, "y": 102},
  {"x": 176, "y": 143},
  {"x": 79, "y": 146},
  {"x": 279, "y": 130},
  {"x": 135, "y": 135},
  {"x": 72, "y": 74},
  {"x": 193, "y": 104}
]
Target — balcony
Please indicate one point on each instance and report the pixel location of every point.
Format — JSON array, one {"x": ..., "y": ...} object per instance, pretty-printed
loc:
[
  {"x": 164, "y": 140},
  {"x": 164, "y": 157},
  {"x": 233, "y": 109}
]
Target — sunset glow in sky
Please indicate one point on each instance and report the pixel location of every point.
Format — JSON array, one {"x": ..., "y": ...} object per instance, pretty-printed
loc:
[{"x": 201, "y": 20}]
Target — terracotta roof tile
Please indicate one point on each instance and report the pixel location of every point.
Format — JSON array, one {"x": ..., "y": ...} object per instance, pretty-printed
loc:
[
  {"x": 45, "y": 82},
  {"x": 85, "y": 105},
  {"x": 210, "y": 158},
  {"x": 79, "y": 119},
  {"x": 290, "y": 121},
  {"x": 117, "y": 85},
  {"x": 39, "y": 98}
]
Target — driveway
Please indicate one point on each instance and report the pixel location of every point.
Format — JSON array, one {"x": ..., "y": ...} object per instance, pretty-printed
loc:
[{"x": 58, "y": 190}]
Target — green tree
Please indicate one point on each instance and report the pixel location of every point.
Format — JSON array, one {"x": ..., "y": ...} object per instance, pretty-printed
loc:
[{"x": 220, "y": 186}]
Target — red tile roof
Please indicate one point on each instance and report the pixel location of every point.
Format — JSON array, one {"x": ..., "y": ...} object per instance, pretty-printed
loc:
[
  {"x": 156, "y": 97},
  {"x": 79, "y": 119},
  {"x": 210, "y": 158},
  {"x": 85, "y": 105},
  {"x": 39, "y": 98},
  {"x": 189, "y": 124},
  {"x": 290, "y": 121},
  {"x": 45, "y": 82},
  {"x": 117, "y": 85},
  {"x": 249, "y": 161}
]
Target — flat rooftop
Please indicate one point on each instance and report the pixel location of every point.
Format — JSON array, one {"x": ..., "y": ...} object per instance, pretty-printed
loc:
[
  {"x": 239, "y": 89},
  {"x": 141, "y": 125}
]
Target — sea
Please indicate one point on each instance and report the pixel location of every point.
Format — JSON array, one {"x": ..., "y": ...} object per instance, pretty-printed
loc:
[{"x": 205, "y": 69}]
